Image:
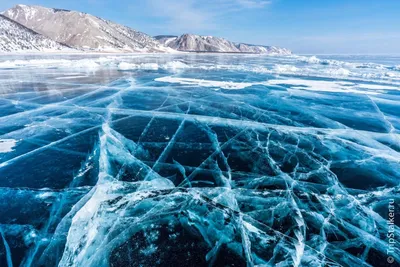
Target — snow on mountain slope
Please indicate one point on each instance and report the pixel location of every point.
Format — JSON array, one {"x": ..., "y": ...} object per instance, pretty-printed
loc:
[
  {"x": 83, "y": 30},
  {"x": 15, "y": 37},
  {"x": 198, "y": 43},
  {"x": 166, "y": 39},
  {"x": 262, "y": 49}
]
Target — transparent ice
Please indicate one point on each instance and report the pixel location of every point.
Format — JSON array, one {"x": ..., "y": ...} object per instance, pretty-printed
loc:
[{"x": 198, "y": 160}]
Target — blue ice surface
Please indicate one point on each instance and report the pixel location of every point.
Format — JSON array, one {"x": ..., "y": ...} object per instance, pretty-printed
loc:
[{"x": 199, "y": 160}]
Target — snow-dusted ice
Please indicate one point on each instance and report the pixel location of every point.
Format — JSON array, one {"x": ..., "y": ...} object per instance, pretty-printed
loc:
[{"x": 198, "y": 160}]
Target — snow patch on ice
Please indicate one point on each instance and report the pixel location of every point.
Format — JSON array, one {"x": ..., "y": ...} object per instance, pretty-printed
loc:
[
  {"x": 311, "y": 60},
  {"x": 71, "y": 77},
  {"x": 142, "y": 66},
  {"x": 378, "y": 87},
  {"x": 53, "y": 63},
  {"x": 339, "y": 63},
  {"x": 338, "y": 72},
  {"x": 285, "y": 68},
  {"x": 325, "y": 86},
  {"x": 205, "y": 83},
  {"x": 7, "y": 145},
  {"x": 173, "y": 65},
  {"x": 312, "y": 85}
]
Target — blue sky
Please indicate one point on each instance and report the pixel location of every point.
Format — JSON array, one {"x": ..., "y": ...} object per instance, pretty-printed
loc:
[{"x": 304, "y": 26}]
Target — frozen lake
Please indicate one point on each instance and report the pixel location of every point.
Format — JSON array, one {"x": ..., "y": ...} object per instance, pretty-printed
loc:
[{"x": 198, "y": 160}]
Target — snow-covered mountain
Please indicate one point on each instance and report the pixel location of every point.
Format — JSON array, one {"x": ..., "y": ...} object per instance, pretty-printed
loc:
[
  {"x": 87, "y": 32},
  {"x": 82, "y": 30},
  {"x": 15, "y": 37},
  {"x": 198, "y": 43},
  {"x": 262, "y": 49}
]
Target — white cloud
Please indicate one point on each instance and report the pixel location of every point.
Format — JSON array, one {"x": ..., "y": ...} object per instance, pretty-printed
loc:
[
  {"x": 182, "y": 16},
  {"x": 195, "y": 16},
  {"x": 253, "y": 3}
]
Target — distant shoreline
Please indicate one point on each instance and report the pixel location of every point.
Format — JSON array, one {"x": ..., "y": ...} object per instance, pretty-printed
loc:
[{"x": 21, "y": 53}]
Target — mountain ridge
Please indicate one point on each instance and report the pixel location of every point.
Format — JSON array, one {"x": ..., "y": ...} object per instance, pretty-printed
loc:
[
  {"x": 200, "y": 43},
  {"x": 82, "y": 30},
  {"x": 86, "y": 32}
]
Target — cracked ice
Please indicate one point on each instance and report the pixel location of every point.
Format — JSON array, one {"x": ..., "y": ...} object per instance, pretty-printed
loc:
[{"x": 202, "y": 160}]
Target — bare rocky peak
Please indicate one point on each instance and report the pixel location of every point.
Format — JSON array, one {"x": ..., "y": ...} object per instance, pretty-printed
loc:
[
  {"x": 199, "y": 43},
  {"x": 83, "y": 30},
  {"x": 15, "y": 37}
]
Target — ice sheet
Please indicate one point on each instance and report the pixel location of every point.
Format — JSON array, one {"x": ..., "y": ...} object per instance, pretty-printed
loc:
[{"x": 218, "y": 160}]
